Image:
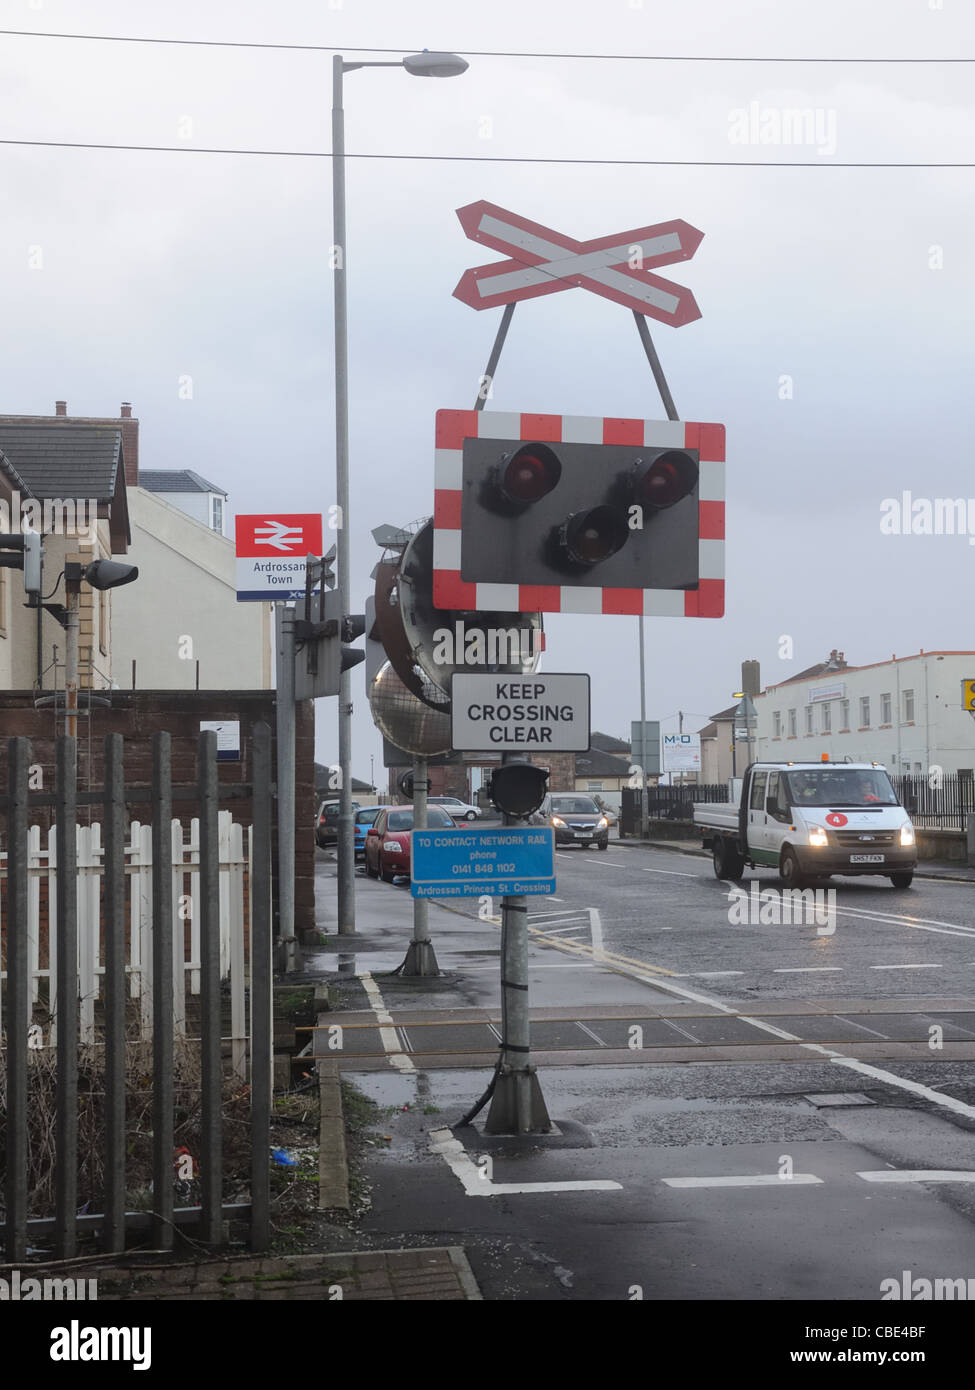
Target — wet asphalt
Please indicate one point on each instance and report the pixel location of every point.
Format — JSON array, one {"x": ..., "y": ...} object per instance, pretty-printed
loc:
[{"x": 798, "y": 1167}]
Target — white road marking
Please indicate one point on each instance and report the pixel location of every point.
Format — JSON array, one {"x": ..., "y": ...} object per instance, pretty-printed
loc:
[
  {"x": 387, "y": 1030},
  {"x": 676, "y": 873},
  {"x": 805, "y": 969},
  {"x": 560, "y": 931},
  {"x": 929, "y": 965},
  {"x": 918, "y": 1175},
  {"x": 714, "y": 974},
  {"x": 474, "y": 1182},
  {"x": 753, "y": 1180},
  {"x": 596, "y": 929},
  {"x": 915, "y": 1087},
  {"x": 595, "y": 1036}
]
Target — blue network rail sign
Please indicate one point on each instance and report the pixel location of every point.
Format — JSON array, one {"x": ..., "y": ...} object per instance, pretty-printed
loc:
[{"x": 466, "y": 863}]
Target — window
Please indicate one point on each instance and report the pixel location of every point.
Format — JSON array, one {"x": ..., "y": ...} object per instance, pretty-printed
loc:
[
  {"x": 3, "y": 603},
  {"x": 216, "y": 514},
  {"x": 809, "y": 719},
  {"x": 792, "y": 723},
  {"x": 777, "y": 724},
  {"x": 909, "y": 706},
  {"x": 865, "y": 712},
  {"x": 827, "y": 717},
  {"x": 594, "y": 786},
  {"x": 885, "y": 709},
  {"x": 104, "y": 621},
  {"x": 758, "y": 791},
  {"x": 844, "y": 714}
]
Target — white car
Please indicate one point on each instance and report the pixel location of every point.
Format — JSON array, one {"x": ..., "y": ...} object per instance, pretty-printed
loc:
[{"x": 455, "y": 808}]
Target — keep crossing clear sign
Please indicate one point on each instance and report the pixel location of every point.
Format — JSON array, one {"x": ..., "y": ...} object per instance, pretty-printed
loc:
[{"x": 520, "y": 713}]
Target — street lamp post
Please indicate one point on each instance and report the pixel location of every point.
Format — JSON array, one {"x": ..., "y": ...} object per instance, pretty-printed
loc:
[{"x": 418, "y": 65}]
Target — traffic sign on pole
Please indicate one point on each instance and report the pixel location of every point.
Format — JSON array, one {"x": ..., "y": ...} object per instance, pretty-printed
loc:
[
  {"x": 511, "y": 714},
  {"x": 271, "y": 552},
  {"x": 544, "y": 261},
  {"x": 467, "y": 863}
]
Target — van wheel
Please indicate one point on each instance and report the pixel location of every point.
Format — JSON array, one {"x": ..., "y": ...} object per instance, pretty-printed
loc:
[
  {"x": 901, "y": 880},
  {"x": 727, "y": 862},
  {"x": 789, "y": 870}
]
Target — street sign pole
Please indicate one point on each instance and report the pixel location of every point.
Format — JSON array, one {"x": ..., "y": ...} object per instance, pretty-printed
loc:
[
  {"x": 517, "y": 1105},
  {"x": 284, "y": 618},
  {"x": 421, "y": 959},
  {"x": 346, "y": 847},
  {"x": 644, "y": 791}
]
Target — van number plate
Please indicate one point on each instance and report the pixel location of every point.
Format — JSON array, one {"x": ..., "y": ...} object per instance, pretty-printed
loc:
[{"x": 866, "y": 858}]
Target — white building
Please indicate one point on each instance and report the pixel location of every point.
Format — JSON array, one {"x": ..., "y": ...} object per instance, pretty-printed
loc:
[
  {"x": 905, "y": 713},
  {"x": 189, "y": 626},
  {"x": 186, "y": 490}
]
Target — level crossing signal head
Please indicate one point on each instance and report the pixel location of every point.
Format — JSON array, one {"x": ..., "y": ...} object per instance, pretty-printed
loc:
[
  {"x": 577, "y": 514},
  {"x": 518, "y": 789},
  {"x": 589, "y": 514}
]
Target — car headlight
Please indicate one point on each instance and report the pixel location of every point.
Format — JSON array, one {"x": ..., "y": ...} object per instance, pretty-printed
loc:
[
  {"x": 392, "y": 845},
  {"x": 818, "y": 836},
  {"x": 907, "y": 835},
  {"x": 602, "y": 823},
  {"x": 557, "y": 820}
]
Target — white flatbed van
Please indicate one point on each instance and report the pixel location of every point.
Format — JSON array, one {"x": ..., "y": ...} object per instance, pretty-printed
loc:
[{"x": 811, "y": 820}]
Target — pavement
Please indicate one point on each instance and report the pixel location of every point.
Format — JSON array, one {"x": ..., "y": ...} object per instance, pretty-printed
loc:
[
  {"x": 425, "y": 1274},
  {"x": 805, "y": 1146}
]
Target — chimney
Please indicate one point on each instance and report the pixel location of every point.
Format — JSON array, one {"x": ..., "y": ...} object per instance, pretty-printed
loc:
[
  {"x": 60, "y": 407},
  {"x": 130, "y": 444},
  {"x": 751, "y": 678}
]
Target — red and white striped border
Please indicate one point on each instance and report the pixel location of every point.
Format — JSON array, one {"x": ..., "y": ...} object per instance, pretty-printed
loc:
[{"x": 450, "y": 591}]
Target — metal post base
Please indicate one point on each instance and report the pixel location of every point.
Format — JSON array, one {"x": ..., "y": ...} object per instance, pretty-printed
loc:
[
  {"x": 517, "y": 1106},
  {"x": 421, "y": 960}
]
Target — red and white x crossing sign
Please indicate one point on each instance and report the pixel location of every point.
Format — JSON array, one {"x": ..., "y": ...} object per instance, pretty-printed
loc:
[
  {"x": 544, "y": 261},
  {"x": 271, "y": 551}
]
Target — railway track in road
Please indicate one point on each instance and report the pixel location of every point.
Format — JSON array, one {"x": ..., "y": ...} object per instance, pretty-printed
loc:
[{"x": 899, "y": 1031}]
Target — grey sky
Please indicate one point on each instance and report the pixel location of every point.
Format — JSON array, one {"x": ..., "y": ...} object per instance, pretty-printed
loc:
[{"x": 158, "y": 266}]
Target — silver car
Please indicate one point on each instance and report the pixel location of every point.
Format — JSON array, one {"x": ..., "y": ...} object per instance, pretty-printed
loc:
[{"x": 455, "y": 808}]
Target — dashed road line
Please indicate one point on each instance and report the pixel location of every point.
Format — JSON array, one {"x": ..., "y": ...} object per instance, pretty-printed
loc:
[
  {"x": 918, "y": 1175},
  {"x": 387, "y": 1030},
  {"x": 749, "y": 1180},
  {"x": 927, "y": 965}
]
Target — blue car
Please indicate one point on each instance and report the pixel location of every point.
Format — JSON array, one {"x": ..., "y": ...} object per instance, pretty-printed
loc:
[{"x": 361, "y": 822}]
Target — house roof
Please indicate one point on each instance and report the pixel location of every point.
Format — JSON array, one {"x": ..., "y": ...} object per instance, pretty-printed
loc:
[
  {"x": 725, "y": 716},
  {"x": 597, "y": 763},
  {"x": 606, "y": 743},
  {"x": 72, "y": 461},
  {"x": 322, "y": 774},
  {"x": 176, "y": 480}
]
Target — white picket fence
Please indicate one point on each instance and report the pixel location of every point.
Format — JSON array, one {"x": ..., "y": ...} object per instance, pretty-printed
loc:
[{"x": 184, "y": 867}]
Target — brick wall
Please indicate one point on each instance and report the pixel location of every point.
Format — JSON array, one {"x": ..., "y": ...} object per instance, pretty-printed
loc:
[{"x": 138, "y": 715}]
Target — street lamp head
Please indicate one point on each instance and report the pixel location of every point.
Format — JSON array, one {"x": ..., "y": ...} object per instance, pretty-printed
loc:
[
  {"x": 427, "y": 64},
  {"x": 109, "y": 574}
]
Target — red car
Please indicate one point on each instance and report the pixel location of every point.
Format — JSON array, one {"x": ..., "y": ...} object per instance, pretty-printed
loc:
[{"x": 388, "y": 839}]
